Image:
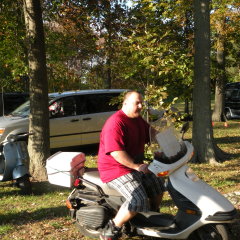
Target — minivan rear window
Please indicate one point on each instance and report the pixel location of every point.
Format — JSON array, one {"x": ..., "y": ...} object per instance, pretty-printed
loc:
[
  {"x": 22, "y": 111},
  {"x": 10, "y": 101}
]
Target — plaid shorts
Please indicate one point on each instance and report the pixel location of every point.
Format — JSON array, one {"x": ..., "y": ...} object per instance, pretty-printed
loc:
[{"x": 137, "y": 188}]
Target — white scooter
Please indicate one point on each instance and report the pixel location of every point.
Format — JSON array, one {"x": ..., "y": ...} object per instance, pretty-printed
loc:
[
  {"x": 13, "y": 162},
  {"x": 203, "y": 213}
]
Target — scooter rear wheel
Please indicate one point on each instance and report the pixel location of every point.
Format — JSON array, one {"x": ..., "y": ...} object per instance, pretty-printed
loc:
[{"x": 211, "y": 232}]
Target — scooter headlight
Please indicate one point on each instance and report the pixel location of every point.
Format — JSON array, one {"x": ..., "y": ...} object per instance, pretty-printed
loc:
[{"x": 2, "y": 131}]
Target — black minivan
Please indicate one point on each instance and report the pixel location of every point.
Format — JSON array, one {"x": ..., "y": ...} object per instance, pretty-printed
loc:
[
  {"x": 232, "y": 100},
  {"x": 10, "y": 101}
]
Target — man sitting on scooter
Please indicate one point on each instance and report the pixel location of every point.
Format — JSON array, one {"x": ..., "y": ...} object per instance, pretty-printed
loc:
[{"x": 120, "y": 163}]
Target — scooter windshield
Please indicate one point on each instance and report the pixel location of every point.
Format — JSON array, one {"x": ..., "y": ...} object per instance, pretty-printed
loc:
[{"x": 170, "y": 145}]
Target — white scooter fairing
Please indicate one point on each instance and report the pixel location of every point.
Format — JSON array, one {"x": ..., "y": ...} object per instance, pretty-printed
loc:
[{"x": 207, "y": 203}]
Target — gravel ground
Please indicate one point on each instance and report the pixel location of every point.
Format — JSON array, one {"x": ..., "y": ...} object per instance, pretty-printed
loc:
[{"x": 234, "y": 198}]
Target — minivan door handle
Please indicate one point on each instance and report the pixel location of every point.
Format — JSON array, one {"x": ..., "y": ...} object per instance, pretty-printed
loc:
[
  {"x": 74, "y": 120},
  {"x": 84, "y": 119}
]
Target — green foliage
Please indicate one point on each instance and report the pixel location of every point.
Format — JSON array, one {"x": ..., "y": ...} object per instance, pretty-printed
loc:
[
  {"x": 118, "y": 100},
  {"x": 225, "y": 29},
  {"x": 90, "y": 43},
  {"x": 158, "y": 99},
  {"x": 161, "y": 44},
  {"x": 13, "y": 64}
]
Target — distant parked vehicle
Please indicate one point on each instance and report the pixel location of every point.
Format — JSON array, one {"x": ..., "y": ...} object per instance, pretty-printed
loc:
[
  {"x": 10, "y": 101},
  {"x": 75, "y": 117},
  {"x": 232, "y": 100}
]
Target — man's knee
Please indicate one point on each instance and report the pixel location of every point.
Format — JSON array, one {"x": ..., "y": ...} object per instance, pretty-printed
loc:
[{"x": 140, "y": 204}]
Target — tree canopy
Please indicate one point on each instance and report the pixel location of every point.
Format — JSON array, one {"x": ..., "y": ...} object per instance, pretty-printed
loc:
[
  {"x": 96, "y": 44},
  {"x": 123, "y": 44}
]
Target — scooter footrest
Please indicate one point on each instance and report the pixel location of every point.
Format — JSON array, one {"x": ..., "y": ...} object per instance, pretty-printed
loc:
[{"x": 154, "y": 219}]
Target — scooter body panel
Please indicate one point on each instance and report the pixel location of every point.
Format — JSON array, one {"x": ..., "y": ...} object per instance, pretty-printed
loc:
[
  {"x": 206, "y": 198},
  {"x": 19, "y": 171},
  {"x": 14, "y": 155},
  {"x": 9, "y": 158}
]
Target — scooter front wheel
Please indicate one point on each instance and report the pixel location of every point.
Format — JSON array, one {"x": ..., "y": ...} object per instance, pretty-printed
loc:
[
  {"x": 24, "y": 184},
  {"x": 211, "y": 232}
]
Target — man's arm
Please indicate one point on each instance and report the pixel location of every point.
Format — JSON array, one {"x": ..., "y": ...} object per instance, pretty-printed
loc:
[{"x": 123, "y": 158}]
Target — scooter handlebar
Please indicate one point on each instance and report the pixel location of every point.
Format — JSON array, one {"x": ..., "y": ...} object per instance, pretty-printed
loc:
[{"x": 16, "y": 137}]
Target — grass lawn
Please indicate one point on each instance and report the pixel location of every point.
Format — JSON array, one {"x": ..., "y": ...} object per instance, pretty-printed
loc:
[{"x": 43, "y": 215}]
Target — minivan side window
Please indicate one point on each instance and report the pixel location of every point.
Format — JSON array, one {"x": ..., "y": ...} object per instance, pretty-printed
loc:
[
  {"x": 63, "y": 107},
  {"x": 96, "y": 103},
  {"x": 235, "y": 94}
]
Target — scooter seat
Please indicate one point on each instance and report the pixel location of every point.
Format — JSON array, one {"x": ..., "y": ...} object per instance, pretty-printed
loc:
[{"x": 92, "y": 175}]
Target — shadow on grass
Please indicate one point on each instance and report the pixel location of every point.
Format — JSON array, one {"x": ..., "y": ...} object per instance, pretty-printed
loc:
[
  {"x": 227, "y": 140},
  {"x": 40, "y": 188},
  {"x": 233, "y": 179},
  {"x": 25, "y": 217}
]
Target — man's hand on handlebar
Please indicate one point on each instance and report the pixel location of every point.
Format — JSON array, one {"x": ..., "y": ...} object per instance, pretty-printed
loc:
[{"x": 143, "y": 168}]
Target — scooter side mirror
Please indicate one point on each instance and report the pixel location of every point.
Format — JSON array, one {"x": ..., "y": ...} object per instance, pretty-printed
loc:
[
  {"x": 11, "y": 138},
  {"x": 184, "y": 128}
]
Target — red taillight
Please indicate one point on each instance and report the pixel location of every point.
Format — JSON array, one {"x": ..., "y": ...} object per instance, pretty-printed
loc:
[
  {"x": 76, "y": 182},
  {"x": 192, "y": 212},
  {"x": 163, "y": 174}
]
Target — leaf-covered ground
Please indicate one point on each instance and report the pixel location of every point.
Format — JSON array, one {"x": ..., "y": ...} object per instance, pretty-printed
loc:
[{"x": 43, "y": 215}]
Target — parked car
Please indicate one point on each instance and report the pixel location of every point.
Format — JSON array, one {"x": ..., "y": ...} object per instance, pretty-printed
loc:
[
  {"x": 232, "y": 100},
  {"x": 10, "y": 101},
  {"x": 75, "y": 118}
]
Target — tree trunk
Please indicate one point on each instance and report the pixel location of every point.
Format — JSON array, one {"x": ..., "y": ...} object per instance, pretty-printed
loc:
[
  {"x": 218, "y": 112},
  {"x": 38, "y": 120},
  {"x": 186, "y": 106},
  {"x": 202, "y": 127},
  {"x": 108, "y": 79}
]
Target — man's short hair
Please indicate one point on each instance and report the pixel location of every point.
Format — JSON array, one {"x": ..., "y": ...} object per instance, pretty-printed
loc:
[{"x": 128, "y": 93}]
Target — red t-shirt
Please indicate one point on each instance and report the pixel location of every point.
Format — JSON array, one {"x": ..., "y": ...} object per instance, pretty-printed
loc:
[{"x": 121, "y": 133}]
